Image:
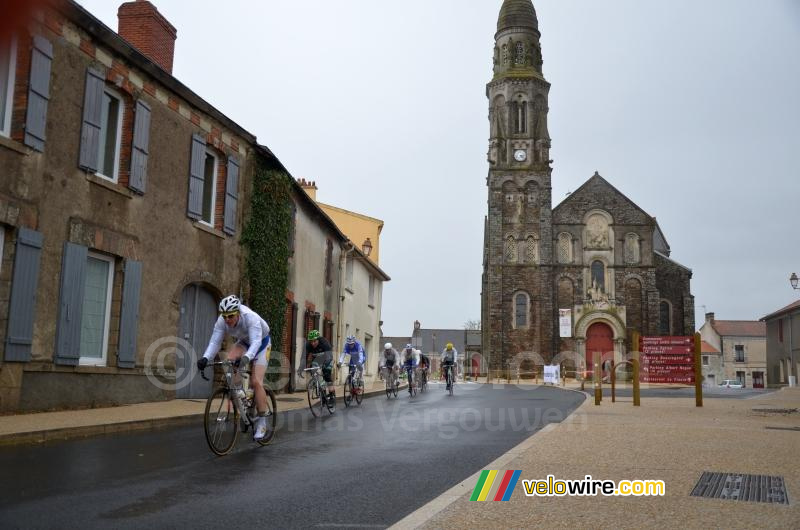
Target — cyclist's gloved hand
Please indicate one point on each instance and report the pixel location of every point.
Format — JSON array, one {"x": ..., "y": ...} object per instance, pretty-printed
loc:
[
  {"x": 243, "y": 362},
  {"x": 202, "y": 362}
]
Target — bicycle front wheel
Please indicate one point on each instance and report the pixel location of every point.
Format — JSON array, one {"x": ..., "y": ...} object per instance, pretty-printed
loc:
[
  {"x": 314, "y": 398},
  {"x": 221, "y": 422},
  {"x": 272, "y": 417},
  {"x": 349, "y": 392},
  {"x": 359, "y": 390}
]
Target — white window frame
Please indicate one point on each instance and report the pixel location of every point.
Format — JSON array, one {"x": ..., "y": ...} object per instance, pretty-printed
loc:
[
  {"x": 214, "y": 178},
  {"x": 103, "y": 361},
  {"x": 514, "y": 324},
  {"x": 5, "y": 127},
  {"x": 103, "y": 134}
]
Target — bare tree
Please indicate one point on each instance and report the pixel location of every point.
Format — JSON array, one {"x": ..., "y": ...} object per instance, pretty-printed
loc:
[{"x": 472, "y": 325}]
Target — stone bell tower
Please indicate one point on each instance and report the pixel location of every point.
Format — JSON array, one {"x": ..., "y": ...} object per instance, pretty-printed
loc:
[{"x": 517, "y": 284}]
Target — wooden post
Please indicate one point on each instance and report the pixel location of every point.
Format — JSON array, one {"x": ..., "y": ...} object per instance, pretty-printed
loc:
[
  {"x": 636, "y": 347},
  {"x": 598, "y": 384},
  {"x": 698, "y": 371},
  {"x": 613, "y": 383}
]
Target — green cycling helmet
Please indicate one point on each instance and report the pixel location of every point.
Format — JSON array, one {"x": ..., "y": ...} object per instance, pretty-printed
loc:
[{"x": 313, "y": 334}]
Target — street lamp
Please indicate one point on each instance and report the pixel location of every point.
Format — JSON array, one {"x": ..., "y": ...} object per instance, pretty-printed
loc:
[
  {"x": 793, "y": 280},
  {"x": 792, "y": 378},
  {"x": 366, "y": 247}
]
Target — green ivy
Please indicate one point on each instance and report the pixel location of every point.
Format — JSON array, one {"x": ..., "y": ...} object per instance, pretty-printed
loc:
[{"x": 266, "y": 242}]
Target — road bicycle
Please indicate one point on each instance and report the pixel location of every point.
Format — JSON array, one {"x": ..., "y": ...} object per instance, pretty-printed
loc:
[
  {"x": 390, "y": 378},
  {"x": 317, "y": 390},
  {"x": 232, "y": 408},
  {"x": 412, "y": 381},
  {"x": 450, "y": 380},
  {"x": 423, "y": 379},
  {"x": 353, "y": 387}
]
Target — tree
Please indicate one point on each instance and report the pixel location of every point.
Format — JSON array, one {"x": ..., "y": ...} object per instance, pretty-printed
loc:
[{"x": 472, "y": 325}]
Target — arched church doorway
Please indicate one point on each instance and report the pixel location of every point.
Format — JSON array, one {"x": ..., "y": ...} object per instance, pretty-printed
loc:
[{"x": 599, "y": 340}]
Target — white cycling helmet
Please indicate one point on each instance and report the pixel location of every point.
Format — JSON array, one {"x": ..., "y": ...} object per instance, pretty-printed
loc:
[
  {"x": 387, "y": 346},
  {"x": 350, "y": 340},
  {"x": 229, "y": 304}
]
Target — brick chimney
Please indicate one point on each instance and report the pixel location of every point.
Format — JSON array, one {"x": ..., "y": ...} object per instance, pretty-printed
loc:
[
  {"x": 309, "y": 186},
  {"x": 148, "y": 31},
  {"x": 710, "y": 318}
]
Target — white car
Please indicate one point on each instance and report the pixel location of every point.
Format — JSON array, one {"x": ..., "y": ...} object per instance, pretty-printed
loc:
[{"x": 731, "y": 383}]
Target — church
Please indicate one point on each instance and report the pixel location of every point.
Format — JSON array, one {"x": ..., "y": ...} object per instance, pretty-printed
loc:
[{"x": 564, "y": 282}]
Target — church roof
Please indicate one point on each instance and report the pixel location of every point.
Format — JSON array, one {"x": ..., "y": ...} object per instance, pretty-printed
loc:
[
  {"x": 517, "y": 13},
  {"x": 593, "y": 183}
]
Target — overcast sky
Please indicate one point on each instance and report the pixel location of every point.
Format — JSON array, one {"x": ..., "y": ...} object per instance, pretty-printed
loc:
[{"x": 689, "y": 107}]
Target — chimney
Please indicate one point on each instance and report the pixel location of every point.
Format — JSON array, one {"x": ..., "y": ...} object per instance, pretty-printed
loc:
[
  {"x": 710, "y": 318},
  {"x": 148, "y": 31},
  {"x": 310, "y": 187}
]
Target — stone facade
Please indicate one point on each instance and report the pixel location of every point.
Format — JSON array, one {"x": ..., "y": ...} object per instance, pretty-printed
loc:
[{"x": 597, "y": 254}]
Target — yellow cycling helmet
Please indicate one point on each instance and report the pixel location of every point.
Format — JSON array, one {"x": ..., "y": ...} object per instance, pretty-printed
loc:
[{"x": 449, "y": 346}]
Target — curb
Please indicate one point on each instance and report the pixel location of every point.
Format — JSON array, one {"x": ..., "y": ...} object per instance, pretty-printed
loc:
[{"x": 88, "y": 431}]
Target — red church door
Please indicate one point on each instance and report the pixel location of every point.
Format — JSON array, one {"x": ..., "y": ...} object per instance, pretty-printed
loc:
[{"x": 599, "y": 340}]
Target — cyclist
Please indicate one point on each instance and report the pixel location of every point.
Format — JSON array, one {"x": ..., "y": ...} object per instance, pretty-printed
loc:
[
  {"x": 449, "y": 359},
  {"x": 252, "y": 345},
  {"x": 320, "y": 353},
  {"x": 424, "y": 365},
  {"x": 389, "y": 359},
  {"x": 409, "y": 359},
  {"x": 354, "y": 349}
]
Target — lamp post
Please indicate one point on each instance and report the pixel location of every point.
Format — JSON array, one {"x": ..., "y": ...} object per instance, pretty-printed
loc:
[
  {"x": 366, "y": 247},
  {"x": 793, "y": 280}
]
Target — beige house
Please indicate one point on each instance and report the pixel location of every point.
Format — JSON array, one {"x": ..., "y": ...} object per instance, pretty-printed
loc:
[
  {"x": 713, "y": 373},
  {"x": 743, "y": 347}
]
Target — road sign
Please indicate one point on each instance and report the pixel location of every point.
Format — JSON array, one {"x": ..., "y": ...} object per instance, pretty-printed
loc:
[{"x": 667, "y": 360}]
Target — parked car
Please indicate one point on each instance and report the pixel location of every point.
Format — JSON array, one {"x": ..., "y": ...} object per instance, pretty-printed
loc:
[{"x": 731, "y": 383}]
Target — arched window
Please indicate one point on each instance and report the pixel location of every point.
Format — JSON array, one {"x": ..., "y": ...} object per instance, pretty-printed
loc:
[
  {"x": 599, "y": 274},
  {"x": 664, "y": 318},
  {"x": 631, "y": 249},
  {"x": 519, "y": 56},
  {"x": 505, "y": 54},
  {"x": 531, "y": 250},
  {"x": 511, "y": 250},
  {"x": 521, "y": 311},
  {"x": 564, "y": 248}
]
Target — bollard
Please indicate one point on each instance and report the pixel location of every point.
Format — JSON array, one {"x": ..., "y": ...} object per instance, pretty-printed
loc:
[
  {"x": 698, "y": 371},
  {"x": 613, "y": 382},
  {"x": 598, "y": 384}
]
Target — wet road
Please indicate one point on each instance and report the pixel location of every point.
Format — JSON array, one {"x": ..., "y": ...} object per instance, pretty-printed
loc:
[{"x": 364, "y": 467}]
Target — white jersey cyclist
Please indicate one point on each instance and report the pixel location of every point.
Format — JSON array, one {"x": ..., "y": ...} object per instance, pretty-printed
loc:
[{"x": 251, "y": 331}]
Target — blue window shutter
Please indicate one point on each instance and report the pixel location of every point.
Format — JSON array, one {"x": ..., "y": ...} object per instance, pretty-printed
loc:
[
  {"x": 139, "y": 154},
  {"x": 22, "y": 308},
  {"x": 231, "y": 196},
  {"x": 129, "y": 317},
  {"x": 196, "y": 176},
  {"x": 38, "y": 93},
  {"x": 70, "y": 306},
  {"x": 92, "y": 116}
]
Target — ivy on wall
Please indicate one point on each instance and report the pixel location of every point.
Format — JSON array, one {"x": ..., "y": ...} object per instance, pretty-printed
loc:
[{"x": 266, "y": 241}]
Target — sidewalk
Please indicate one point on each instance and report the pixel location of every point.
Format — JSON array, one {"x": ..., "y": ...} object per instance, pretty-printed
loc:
[
  {"x": 665, "y": 439},
  {"x": 48, "y": 426}
]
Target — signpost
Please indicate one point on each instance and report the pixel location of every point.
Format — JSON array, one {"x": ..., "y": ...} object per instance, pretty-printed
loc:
[{"x": 672, "y": 360}]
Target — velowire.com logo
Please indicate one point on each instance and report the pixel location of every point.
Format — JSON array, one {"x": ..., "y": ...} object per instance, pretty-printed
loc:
[{"x": 496, "y": 485}]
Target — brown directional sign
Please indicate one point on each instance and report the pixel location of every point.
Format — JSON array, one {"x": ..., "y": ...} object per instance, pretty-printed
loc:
[{"x": 667, "y": 360}]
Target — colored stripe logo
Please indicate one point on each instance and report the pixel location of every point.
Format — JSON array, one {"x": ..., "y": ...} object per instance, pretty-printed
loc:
[{"x": 495, "y": 485}]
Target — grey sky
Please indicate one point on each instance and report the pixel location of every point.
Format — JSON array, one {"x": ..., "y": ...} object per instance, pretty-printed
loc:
[{"x": 691, "y": 108}]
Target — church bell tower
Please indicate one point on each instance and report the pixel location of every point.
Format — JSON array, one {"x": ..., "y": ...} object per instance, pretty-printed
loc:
[{"x": 517, "y": 283}]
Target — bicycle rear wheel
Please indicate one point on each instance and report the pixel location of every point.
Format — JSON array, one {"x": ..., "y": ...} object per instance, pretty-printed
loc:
[
  {"x": 221, "y": 422},
  {"x": 272, "y": 417},
  {"x": 395, "y": 384},
  {"x": 314, "y": 398},
  {"x": 450, "y": 382}
]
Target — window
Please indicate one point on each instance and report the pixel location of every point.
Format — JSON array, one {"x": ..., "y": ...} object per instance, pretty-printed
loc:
[
  {"x": 521, "y": 311},
  {"x": 511, "y": 250},
  {"x": 631, "y": 249},
  {"x": 209, "y": 187},
  {"x": 110, "y": 135},
  {"x": 531, "y": 250},
  {"x": 664, "y": 320},
  {"x": 349, "y": 274},
  {"x": 740, "y": 377},
  {"x": 599, "y": 274},
  {"x": 8, "y": 64},
  {"x": 96, "y": 312},
  {"x": 519, "y": 117},
  {"x": 738, "y": 351},
  {"x": 780, "y": 330},
  {"x": 372, "y": 290},
  {"x": 328, "y": 262},
  {"x": 505, "y": 55},
  {"x": 519, "y": 56},
  {"x": 564, "y": 248},
  {"x": 705, "y": 360}
]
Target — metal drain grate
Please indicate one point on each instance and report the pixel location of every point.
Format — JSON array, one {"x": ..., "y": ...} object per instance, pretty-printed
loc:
[
  {"x": 740, "y": 487},
  {"x": 784, "y": 428}
]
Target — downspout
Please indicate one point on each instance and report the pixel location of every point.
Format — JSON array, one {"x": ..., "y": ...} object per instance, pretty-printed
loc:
[{"x": 348, "y": 248}]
